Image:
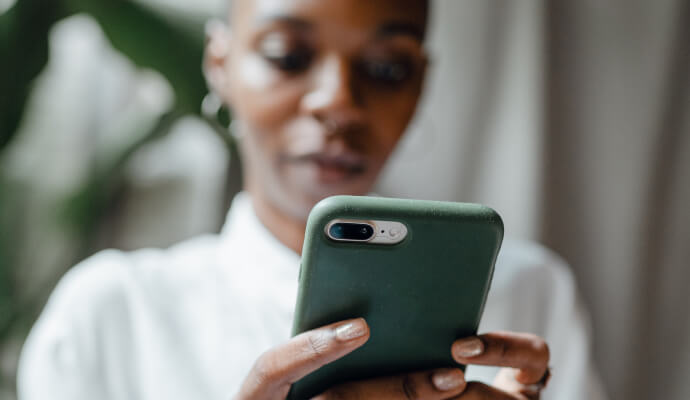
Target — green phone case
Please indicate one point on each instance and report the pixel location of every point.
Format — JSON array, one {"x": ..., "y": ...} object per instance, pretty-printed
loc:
[{"x": 417, "y": 296}]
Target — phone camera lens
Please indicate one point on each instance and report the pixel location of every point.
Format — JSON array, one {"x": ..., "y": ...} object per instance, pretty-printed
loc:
[
  {"x": 351, "y": 231},
  {"x": 366, "y": 232},
  {"x": 337, "y": 231}
]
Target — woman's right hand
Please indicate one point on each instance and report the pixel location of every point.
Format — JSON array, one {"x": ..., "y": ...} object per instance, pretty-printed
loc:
[{"x": 277, "y": 369}]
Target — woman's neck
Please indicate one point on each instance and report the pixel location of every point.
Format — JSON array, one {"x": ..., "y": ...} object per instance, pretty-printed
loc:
[{"x": 287, "y": 229}]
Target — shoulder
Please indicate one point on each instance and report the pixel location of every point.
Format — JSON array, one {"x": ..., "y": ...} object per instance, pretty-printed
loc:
[
  {"x": 523, "y": 263},
  {"x": 110, "y": 277}
]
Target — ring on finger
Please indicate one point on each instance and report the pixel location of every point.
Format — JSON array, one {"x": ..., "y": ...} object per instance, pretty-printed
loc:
[{"x": 541, "y": 384}]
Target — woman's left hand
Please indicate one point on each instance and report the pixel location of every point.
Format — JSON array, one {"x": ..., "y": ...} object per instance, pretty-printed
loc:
[{"x": 525, "y": 358}]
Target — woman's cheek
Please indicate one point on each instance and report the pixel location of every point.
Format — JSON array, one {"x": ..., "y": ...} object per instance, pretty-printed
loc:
[
  {"x": 255, "y": 74},
  {"x": 394, "y": 117}
]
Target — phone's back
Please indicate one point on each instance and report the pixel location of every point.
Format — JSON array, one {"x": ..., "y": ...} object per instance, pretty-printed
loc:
[{"x": 417, "y": 296}]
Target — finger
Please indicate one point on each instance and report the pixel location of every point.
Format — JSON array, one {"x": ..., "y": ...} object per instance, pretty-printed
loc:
[
  {"x": 529, "y": 353},
  {"x": 429, "y": 385},
  {"x": 277, "y": 369},
  {"x": 480, "y": 391},
  {"x": 505, "y": 380}
]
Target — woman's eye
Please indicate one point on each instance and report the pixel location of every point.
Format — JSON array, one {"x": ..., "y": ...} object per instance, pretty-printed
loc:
[
  {"x": 285, "y": 56},
  {"x": 293, "y": 61},
  {"x": 388, "y": 72}
]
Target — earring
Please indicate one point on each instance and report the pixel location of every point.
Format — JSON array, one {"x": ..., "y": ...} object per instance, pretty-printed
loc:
[
  {"x": 213, "y": 107},
  {"x": 236, "y": 130}
]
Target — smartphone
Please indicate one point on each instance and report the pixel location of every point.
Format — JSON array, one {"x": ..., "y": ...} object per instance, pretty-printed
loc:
[{"x": 418, "y": 271}]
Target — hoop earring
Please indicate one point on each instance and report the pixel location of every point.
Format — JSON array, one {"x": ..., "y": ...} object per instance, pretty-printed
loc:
[
  {"x": 213, "y": 107},
  {"x": 236, "y": 130}
]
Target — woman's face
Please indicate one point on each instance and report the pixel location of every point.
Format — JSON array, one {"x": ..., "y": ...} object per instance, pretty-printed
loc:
[{"x": 322, "y": 91}]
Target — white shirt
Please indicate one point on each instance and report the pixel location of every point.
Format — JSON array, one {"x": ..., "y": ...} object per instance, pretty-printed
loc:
[{"x": 188, "y": 322}]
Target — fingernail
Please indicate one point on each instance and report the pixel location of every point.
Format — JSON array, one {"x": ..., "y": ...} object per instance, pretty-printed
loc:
[
  {"x": 468, "y": 348},
  {"x": 448, "y": 379},
  {"x": 351, "y": 330}
]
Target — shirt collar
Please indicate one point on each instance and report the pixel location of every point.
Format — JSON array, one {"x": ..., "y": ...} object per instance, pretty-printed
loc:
[{"x": 246, "y": 237}]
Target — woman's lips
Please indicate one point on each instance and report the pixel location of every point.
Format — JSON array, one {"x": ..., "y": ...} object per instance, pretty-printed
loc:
[{"x": 332, "y": 168}]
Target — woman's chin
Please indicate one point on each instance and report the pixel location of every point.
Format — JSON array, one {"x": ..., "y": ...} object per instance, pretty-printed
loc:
[
  {"x": 319, "y": 182},
  {"x": 301, "y": 187}
]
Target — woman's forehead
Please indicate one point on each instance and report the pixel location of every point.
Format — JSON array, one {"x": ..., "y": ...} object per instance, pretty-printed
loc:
[{"x": 359, "y": 13}]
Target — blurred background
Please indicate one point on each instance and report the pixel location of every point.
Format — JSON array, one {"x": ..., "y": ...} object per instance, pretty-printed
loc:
[{"x": 572, "y": 119}]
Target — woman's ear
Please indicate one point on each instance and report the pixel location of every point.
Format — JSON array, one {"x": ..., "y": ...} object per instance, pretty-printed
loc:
[{"x": 216, "y": 59}]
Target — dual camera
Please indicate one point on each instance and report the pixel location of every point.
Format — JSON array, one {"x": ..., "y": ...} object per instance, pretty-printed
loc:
[
  {"x": 371, "y": 232},
  {"x": 350, "y": 231}
]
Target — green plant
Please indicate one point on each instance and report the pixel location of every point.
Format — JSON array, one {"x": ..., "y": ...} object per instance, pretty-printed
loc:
[{"x": 168, "y": 43}]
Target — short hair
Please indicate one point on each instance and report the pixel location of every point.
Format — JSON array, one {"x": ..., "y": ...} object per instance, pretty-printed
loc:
[{"x": 229, "y": 7}]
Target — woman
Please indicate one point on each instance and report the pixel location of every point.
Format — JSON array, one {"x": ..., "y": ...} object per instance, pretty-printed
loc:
[{"x": 322, "y": 92}]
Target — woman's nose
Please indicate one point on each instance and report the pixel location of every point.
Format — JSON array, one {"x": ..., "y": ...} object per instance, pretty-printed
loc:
[{"x": 333, "y": 90}]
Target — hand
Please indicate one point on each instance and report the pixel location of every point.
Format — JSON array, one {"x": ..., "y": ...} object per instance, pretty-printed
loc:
[
  {"x": 276, "y": 370},
  {"x": 524, "y": 356}
]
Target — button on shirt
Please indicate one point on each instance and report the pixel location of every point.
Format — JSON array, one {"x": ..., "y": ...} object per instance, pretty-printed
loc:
[{"x": 188, "y": 322}]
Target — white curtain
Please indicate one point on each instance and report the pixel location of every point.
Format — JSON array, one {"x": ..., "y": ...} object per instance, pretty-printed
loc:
[{"x": 573, "y": 120}]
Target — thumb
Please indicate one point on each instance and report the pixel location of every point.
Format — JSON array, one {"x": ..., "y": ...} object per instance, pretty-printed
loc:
[{"x": 278, "y": 368}]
